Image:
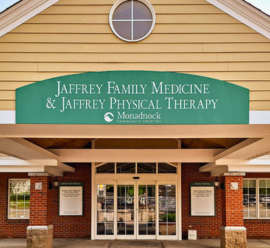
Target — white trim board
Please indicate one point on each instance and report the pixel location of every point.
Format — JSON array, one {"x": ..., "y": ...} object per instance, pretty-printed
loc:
[
  {"x": 7, "y": 117},
  {"x": 246, "y": 14},
  {"x": 259, "y": 117},
  {"x": 255, "y": 117},
  {"x": 22, "y": 12}
]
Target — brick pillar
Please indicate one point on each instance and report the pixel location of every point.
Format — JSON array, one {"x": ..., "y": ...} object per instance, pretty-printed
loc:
[
  {"x": 40, "y": 230},
  {"x": 232, "y": 232}
]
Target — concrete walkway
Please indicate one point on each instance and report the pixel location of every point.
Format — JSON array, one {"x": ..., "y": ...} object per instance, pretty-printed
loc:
[{"x": 86, "y": 243}]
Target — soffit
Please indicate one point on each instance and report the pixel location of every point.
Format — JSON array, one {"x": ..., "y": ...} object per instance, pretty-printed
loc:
[
  {"x": 135, "y": 143},
  {"x": 62, "y": 143}
]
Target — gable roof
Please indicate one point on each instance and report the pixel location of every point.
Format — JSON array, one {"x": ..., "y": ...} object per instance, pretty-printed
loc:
[
  {"x": 245, "y": 13},
  {"x": 256, "y": 8},
  {"x": 239, "y": 9},
  {"x": 21, "y": 12},
  {"x": 10, "y": 6}
]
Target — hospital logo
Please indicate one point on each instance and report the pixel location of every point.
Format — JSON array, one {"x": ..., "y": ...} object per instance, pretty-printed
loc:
[{"x": 108, "y": 117}]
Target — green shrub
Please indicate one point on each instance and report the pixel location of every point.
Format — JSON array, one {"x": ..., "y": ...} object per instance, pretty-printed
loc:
[{"x": 171, "y": 217}]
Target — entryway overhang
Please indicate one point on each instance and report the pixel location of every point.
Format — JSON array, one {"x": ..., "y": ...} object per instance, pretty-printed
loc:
[{"x": 24, "y": 156}]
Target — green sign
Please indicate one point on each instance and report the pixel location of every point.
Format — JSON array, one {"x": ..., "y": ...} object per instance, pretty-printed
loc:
[
  {"x": 70, "y": 183},
  {"x": 132, "y": 98},
  {"x": 202, "y": 184}
]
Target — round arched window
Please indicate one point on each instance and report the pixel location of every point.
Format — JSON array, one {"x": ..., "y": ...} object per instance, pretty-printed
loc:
[{"x": 132, "y": 20}]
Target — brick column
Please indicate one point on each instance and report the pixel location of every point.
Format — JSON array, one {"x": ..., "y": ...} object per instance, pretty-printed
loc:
[
  {"x": 40, "y": 230},
  {"x": 232, "y": 231}
]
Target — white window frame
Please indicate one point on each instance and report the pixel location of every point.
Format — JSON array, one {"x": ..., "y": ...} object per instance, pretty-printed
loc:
[
  {"x": 136, "y": 168},
  {"x": 257, "y": 199},
  {"x": 114, "y": 7},
  {"x": 8, "y": 206}
]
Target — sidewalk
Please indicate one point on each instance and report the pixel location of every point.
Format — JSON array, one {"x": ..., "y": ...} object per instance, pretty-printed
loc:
[{"x": 86, "y": 243}]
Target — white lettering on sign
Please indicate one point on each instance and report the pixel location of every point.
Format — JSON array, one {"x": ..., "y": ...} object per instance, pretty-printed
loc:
[
  {"x": 202, "y": 201},
  {"x": 180, "y": 88},
  {"x": 64, "y": 90}
]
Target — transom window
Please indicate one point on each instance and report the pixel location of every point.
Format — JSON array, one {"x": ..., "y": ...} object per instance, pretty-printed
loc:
[
  {"x": 19, "y": 199},
  {"x": 132, "y": 20},
  {"x": 136, "y": 168},
  {"x": 256, "y": 198}
]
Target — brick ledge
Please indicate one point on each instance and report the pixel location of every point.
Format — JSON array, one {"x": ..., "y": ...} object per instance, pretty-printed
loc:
[{"x": 256, "y": 221}]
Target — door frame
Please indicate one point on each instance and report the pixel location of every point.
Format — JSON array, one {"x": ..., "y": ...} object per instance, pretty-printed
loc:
[
  {"x": 136, "y": 235},
  {"x": 112, "y": 178},
  {"x": 170, "y": 237}
]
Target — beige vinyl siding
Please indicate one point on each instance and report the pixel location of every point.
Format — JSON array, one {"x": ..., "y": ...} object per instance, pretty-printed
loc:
[{"x": 190, "y": 36}]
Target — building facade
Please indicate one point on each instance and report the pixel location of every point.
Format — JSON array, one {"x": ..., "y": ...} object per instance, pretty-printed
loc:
[{"x": 134, "y": 120}]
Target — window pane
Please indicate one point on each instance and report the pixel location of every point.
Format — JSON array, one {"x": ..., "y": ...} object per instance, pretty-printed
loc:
[
  {"x": 262, "y": 191},
  {"x": 252, "y": 183},
  {"x": 262, "y": 183},
  {"x": 130, "y": 190},
  {"x": 106, "y": 168},
  {"x": 123, "y": 11},
  {"x": 263, "y": 214},
  {"x": 166, "y": 168},
  {"x": 130, "y": 229},
  {"x": 252, "y": 191},
  {"x": 151, "y": 190},
  {"x": 141, "y": 11},
  {"x": 109, "y": 229},
  {"x": 121, "y": 190},
  {"x": 171, "y": 228},
  {"x": 252, "y": 214},
  {"x": 109, "y": 190},
  {"x": 125, "y": 168},
  {"x": 151, "y": 228},
  {"x": 146, "y": 168},
  {"x": 123, "y": 29},
  {"x": 141, "y": 28}
]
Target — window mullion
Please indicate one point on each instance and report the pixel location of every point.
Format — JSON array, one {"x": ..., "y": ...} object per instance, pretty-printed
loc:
[
  {"x": 257, "y": 199},
  {"x": 132, "y": 20}
]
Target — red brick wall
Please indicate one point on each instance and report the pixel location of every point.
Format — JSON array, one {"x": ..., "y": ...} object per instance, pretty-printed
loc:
[
  {"x": 207, "y": 227},
  {"x": 80, "y": 227},
  {"x": 10, "y": 228},
  {"x": 233, "y": 209},
  {"x": 257, "y": 229},
  {"x": 40, "y": 203},
  {"x": 64, "y": 227},
  {"x": 74, "y": 227}
]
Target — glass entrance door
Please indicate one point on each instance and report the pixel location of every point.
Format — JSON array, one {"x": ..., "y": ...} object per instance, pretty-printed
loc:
[
  {"x": 125, "y": 211},
  {"x": 105, "y": 211},
  {"x": 167, "y": 214},
  {"x": 146, "y": 214},
  {"x": 136, "y": 210}
]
